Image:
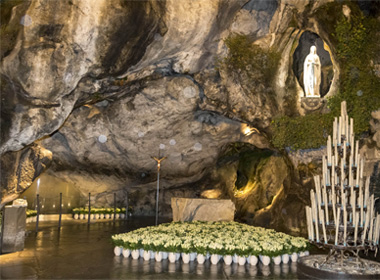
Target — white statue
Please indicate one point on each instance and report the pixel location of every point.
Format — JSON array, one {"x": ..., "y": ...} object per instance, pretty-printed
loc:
[{"x": 312, "y": 73}]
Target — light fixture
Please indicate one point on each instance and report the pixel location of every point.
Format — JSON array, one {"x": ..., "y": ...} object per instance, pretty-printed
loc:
[{"x": 102, "y": 138}]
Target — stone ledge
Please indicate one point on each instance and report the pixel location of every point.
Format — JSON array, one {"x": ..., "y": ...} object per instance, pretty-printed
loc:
[{"x": 199, "y": 209}]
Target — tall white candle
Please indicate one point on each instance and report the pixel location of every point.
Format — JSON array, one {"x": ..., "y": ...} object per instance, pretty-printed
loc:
[
  {"x": 336, "y": 156},
  {"x": 350, "y": 176},
  {"x": 337, "y": 226},
  {"x": 361, "y": 203},
  {"x": 358, "y": 172},
  {"x": 351, "y": 131},
  {"x": 324, "y": 171},
  {"x": 334, "y": 208},
  {"x": 340, "y": 131},
  {"x": 366, "y": 194},
  {"x": 356, "y": 227},
  {"x": 329, "y": 151},
  {"x": 356, "y": 152},
  {"x": 365, "y": 226},
  {"x": 309, "y": 222},
  {"x": 321, "y": 214},
  {"x": 335, "y": 134},
  {"x": 345, "y": 225},
  {"x": 326, "y": 205},
  {"x": 344, "y": 152},
  {"x": 361, "y": 167},
  {"x": 315, "y": 214}
]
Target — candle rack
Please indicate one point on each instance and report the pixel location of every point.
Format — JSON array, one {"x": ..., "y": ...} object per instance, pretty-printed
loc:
[{"x": 342, "y": 217}]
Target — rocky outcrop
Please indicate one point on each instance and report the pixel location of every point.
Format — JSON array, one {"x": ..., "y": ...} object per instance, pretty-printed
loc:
[
  {"x": 104, "y": 85},
  {"x": 20, "y": 169},
  {"x": 196, "y": 209}
]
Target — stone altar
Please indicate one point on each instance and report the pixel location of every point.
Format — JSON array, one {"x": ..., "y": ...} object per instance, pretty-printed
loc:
[{"x": 198, "y": 209}]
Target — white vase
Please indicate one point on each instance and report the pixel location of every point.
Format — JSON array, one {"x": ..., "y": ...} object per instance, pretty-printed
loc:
[
  {"x": 265, "y": 260},
  {"x": 185, "y": 257},
  {"x": 81, "y": 216},
  {"x": 193, "y": 256},
  {"x": 76, "y": 216},
  {"x": 201, "y": 258},
  {"x": 227, "y": 259},
  {"x": 126, "y": 253},
  {"x": 118, "y": 250},
  {"x": 214, "y": 258},
  {"x": 122, "y": 216},
  {"x": 117, "y": 216},
  {"x": 285, "y": 258},
  {"x": 158, "y": 256},
  {"x": 253, "y": 260},
  {"x": 85, "y": 216},
  {"x": 172, "y": 257},
  {"x": 294, "y": 257},
  {"x": 146, "y": 255},
  {"x": 241, "y": 260},
  {"x": 93, "y": 216},
  {"x": 141, "y": 252},
  {"x": 135, "y": 254},
  {"x": 276, "y": 260}
]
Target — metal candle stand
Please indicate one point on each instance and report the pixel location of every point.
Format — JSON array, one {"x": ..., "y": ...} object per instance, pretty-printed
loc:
[{"x": 342, "y": 216}]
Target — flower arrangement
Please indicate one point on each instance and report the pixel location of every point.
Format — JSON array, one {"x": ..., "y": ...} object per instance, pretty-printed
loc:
[
  {"x": 221, "y": 238},
  {"x": 100, "y": 213},
  {"x": 31, "y": 213}
]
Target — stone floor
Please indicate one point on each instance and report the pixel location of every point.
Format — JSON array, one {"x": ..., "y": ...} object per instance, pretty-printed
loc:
[{"x": 81, "y": 251}]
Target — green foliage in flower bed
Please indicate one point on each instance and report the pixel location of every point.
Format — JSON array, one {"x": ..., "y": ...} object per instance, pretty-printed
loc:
[
  {"x": 356, "y": 42},
  {"x": 31, "y": 213},
  {"x": 223, "y": 238},
  {"x": 109, "y": 210}
]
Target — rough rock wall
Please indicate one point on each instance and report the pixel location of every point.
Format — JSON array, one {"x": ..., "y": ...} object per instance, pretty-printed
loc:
[{"x": 142, "y": 73}]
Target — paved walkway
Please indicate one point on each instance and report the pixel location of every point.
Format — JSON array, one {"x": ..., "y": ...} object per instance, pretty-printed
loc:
[{"x": 81, "y": 251}]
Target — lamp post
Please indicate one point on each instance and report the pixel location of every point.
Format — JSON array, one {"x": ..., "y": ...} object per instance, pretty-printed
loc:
[{"x": 158, "y": 160}]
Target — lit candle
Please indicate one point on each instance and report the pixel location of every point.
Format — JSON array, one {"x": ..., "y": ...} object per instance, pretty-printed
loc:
[{"x": 337, "y": 226}]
